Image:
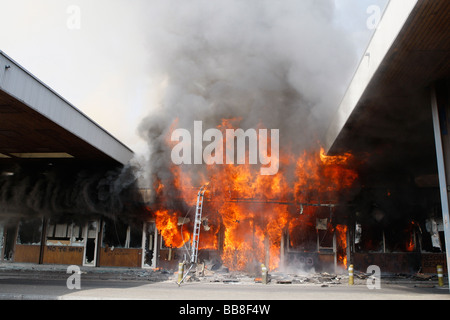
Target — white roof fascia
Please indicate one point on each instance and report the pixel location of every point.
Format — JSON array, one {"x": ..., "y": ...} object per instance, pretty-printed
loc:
[
  {"x": 23, "y": 86},
  {"x": 392, "y": 22}
]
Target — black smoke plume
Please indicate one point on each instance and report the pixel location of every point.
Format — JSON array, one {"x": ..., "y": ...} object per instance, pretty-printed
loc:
[{"x": 70, "y": 191}]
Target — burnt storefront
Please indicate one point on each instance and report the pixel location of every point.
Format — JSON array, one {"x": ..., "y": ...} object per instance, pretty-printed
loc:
[
  {"x": 66, "y": 185},
  {"x": 393, "y": 118},
  {"x": 374, "y": 191},
  {"x": 375, "y": 194}
]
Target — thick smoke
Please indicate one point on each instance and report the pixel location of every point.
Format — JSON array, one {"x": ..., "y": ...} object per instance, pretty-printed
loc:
[
  {"x": 281, "y": 64},
  {"x": 69, "y": 191}
]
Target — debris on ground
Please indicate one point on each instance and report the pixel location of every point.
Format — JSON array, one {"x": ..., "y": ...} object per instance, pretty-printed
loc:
[
  {"x": 203, "y": 274},
  {"x": 211, "y": 272}
]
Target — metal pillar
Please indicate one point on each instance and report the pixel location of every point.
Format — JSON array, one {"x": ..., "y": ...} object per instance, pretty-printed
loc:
[
  {"x": 43, "y": 240},
  {"x": 442, "y": 141},
  {"x": 156, "y": 243}
]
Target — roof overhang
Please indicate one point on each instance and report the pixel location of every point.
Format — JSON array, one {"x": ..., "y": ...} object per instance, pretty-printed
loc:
[
  {"x": 386, "y": 107},
  {"x": 37, "y": 123}
]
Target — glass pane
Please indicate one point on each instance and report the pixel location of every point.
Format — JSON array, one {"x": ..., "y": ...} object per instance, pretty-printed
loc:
[{"x": 30, "y": 232}]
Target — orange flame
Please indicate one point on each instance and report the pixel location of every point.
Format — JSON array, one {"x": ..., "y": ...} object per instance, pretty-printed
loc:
[
  {"x": 341, "y": 237},
  {"x": 167, "y": 224},
  {"x": 410, "y": 245},
  {"x": 247, "y": 212}
]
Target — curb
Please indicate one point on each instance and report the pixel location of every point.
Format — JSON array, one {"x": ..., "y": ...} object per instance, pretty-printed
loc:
[
  {"x": 39, "y": 297},
  {"x": 19, "y": 296}
]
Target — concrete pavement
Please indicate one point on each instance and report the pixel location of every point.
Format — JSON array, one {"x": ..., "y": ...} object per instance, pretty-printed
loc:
[
  {"x": 40, "y": 282},
  {"x": 23, "y": 289}
]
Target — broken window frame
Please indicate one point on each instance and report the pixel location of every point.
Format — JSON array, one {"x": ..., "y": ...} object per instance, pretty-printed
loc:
[
  {"x": 149, "y": 244},
  {"x": 90, "y": 226},
  {"x": 72, "y": 236},
  {"x": 25, "y": 225},
  {"x": 127, "y": 237}
]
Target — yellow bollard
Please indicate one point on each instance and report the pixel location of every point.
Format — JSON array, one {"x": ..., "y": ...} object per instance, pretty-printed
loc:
[
  {"x": 263, "y": 274},
  {"x": 350, "y": 275},
  {"x": 180, "y": 272},
  {"x": 440, "y": 272}
]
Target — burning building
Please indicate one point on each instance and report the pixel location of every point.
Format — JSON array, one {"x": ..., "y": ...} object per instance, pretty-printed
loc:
[
  {"x": 371, "y": 193},
  {"x": 283, "y": 81},
  {"x": 299, "y": 214},
  {"x": 369, "y": 197},
  {"x": 394, "y": 116},
  {"x": 65, "y": 183}
]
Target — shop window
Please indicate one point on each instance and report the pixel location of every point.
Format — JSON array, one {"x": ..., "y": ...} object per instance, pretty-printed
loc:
[
  {"x": 60, "y": 234},
  {"x": 30, "y": 232},
  {"x": 118, "y": 235},
  {"x": 91, "y": 240}
]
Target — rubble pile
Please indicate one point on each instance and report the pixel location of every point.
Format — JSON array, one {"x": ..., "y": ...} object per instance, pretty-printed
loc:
[
  {"x": 323, "y": 279},
  {"x": 215, "y": 273}
]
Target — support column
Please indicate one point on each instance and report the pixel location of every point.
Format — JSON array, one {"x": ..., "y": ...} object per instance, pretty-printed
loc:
[
  {"x": 335, "y": 250},
  {"x": 440, "y": 106},
  {"x": 2, "y": 241},
  {"x": 283, "y": 242},
  {"x": 155, "y": 260},
  {"x": 267, "y": 251},
  {"x": 99, "y": 241},
  {"x": 144, "y": 243},
  {"x": 43, "y": 240}
]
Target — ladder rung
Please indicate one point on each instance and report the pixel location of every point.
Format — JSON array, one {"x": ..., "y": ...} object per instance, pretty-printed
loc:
[{"x": 197, "y": 224}]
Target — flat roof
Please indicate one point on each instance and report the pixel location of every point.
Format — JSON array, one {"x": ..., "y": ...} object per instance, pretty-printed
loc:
[
  {"x": 392, "y": 22},
  {"x": 37, "y": 123},
  {"x": 385, "y": 115}
]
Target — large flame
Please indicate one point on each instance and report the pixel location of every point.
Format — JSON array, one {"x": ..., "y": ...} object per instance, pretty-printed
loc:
[
  {"x": 341, "y": 238},
  {"x": 247, "y": 213},
  {"x": 167, "y": 224}
]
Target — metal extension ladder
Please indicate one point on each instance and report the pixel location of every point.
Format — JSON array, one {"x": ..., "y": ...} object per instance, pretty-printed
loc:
[
  {"x": 197, "y": 224},
  {"x": 196, "y": 234}
]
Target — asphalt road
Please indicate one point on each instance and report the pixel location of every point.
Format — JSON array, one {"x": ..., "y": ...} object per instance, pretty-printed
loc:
[{"x": 38, "y": 289}]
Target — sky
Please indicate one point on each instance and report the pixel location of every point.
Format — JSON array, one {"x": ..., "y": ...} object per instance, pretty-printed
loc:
[{"x": 100, "y": 55}]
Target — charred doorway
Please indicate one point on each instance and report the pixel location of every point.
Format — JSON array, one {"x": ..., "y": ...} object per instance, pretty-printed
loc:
[
  {"x": 149, "y": 235},
  {"x": 90, "y": 249},
  {"x": 9, "y": 236}
]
